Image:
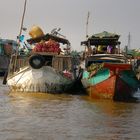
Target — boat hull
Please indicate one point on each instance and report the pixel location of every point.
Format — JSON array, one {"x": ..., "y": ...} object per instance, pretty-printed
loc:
[
  {"x": 115, "y": 82},
  {"x": 45, "y": 80},
  {"x": 103, "y": 90},
  {"x": 114, "y": 88}
]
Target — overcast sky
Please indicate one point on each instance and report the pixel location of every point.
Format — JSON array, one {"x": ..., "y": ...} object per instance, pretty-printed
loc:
[{"x": 117, "y": 16}]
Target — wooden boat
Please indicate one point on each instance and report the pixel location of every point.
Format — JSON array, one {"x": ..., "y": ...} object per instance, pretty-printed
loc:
[
  {"x": 108, "y": 76},
  {"x": 47, "y": 72}
]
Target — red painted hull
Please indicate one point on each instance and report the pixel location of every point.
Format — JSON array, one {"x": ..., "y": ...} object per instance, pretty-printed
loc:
[
  {"x": 113, "y": 88},
  {"x": 120, "y": 67}
]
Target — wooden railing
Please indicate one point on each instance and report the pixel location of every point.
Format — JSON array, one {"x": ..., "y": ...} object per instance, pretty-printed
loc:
[{"x": 16, "y": 63}]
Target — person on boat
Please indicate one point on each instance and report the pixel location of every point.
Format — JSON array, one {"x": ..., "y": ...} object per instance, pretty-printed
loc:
[
  {"x": 116, "y": 50},
  {"x": 94, "y": 50},
  {"x": 88, "y": 51},
  {"x": 100, "y": 49},
  {"x": 109, "y": 49}
]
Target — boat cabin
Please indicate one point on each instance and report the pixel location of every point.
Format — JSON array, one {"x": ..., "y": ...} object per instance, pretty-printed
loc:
[
  {"x": 102, "y": 47},
  {"x": 50, "y": 54},
  {"x": 102, "y": 43}
]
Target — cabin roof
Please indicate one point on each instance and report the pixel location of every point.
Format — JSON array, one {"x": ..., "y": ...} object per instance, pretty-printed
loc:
[
  {"x": 47, "y": 37},
  {"x": 105, "y": 34},
  {"x": 103, "y": 38},
  {"x": 9, "y": 41}
]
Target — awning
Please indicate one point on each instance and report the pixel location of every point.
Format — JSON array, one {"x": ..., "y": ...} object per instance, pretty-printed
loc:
[
  {"x": 104, "y": 38},
  {"x": 47, "y": 37}
]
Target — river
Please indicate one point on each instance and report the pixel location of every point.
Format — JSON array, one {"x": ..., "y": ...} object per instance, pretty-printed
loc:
[{"x": 66, "y": 117}]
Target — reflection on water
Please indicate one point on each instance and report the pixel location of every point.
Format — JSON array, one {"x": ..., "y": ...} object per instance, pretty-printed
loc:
[{"x": 66, "y": 117}]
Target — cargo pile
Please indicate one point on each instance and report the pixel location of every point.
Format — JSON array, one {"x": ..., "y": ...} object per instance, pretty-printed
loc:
[
  {"x": 97, "y": 67},
  {"x": 48, "y": 46}
]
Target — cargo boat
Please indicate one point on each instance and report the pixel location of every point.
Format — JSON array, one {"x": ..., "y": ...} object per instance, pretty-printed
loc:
[
  {"x": 46, "y": 71},
  {"x": 108, "y": 75}
]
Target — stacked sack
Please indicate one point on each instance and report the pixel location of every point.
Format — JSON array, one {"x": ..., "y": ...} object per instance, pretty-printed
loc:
[{"x": 48, "y": 46}]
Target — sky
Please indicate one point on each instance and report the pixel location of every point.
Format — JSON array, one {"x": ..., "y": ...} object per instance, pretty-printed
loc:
[{"x": 115, "y": 16}]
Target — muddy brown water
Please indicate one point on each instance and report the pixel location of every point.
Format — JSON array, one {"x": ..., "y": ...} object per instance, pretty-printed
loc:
[{"x": 66, "y": 117}]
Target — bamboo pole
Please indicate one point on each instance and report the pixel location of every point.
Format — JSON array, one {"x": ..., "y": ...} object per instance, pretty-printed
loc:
[
  {"x": 20, "y": 32},
  {"x": 22, "y": 20}
]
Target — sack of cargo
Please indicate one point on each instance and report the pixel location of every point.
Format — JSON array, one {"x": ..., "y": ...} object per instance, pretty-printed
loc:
[{"x": 35, "y": 32}]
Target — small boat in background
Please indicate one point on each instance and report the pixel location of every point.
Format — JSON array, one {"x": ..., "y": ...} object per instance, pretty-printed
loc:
[
  {"x": 7, "y": 47},
  {"x": 107, "y": 74}
]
